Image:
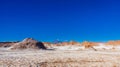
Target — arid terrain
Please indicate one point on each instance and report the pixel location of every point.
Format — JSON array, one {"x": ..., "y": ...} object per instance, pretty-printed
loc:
[
  {"x": 32, "y": 53},
  {"x": 57, "y": 58}
]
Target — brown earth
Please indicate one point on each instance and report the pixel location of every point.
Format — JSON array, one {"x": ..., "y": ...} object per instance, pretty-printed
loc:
[
  {"x": 89, "y": 44},
  {"x": 114, "y": 43},
  {"x": 7, "y": 44}
]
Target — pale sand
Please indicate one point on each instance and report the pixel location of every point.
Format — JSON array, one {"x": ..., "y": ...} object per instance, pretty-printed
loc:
[{"x": 59, "y": 58}]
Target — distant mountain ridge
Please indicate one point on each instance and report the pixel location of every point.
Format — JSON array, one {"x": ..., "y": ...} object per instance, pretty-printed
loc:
[{"x": 34, "y": 44}]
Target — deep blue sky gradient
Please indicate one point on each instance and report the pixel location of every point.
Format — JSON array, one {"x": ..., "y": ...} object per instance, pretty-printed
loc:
[{"x": 48, "y": 20}]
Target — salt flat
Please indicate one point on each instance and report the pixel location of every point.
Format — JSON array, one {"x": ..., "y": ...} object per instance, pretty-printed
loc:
[{"x": 59, "y": 58}]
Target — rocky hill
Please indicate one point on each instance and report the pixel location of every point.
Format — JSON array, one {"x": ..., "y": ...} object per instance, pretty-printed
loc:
[{"x": 28, "y": 43}]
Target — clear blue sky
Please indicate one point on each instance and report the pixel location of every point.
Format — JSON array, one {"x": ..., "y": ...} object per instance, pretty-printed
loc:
[{"x": 47, "y": 20}]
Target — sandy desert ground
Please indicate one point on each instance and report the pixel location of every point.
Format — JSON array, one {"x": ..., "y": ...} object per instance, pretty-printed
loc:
[{"x": 59, "y": 58}]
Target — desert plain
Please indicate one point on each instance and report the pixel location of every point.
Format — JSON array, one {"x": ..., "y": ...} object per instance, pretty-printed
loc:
[
  {"x": 27, "y": 54},
  {"x": 59, "y": 58}
]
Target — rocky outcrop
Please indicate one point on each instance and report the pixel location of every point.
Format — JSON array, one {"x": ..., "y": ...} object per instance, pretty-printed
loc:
[
  {"x": 114, "y": 43},
  {"x": 67, "y": 43},
  {"x": 74, "y": 43},
  {"x": 89, "y": 44},
  {"x": 28, "y": 43}
]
